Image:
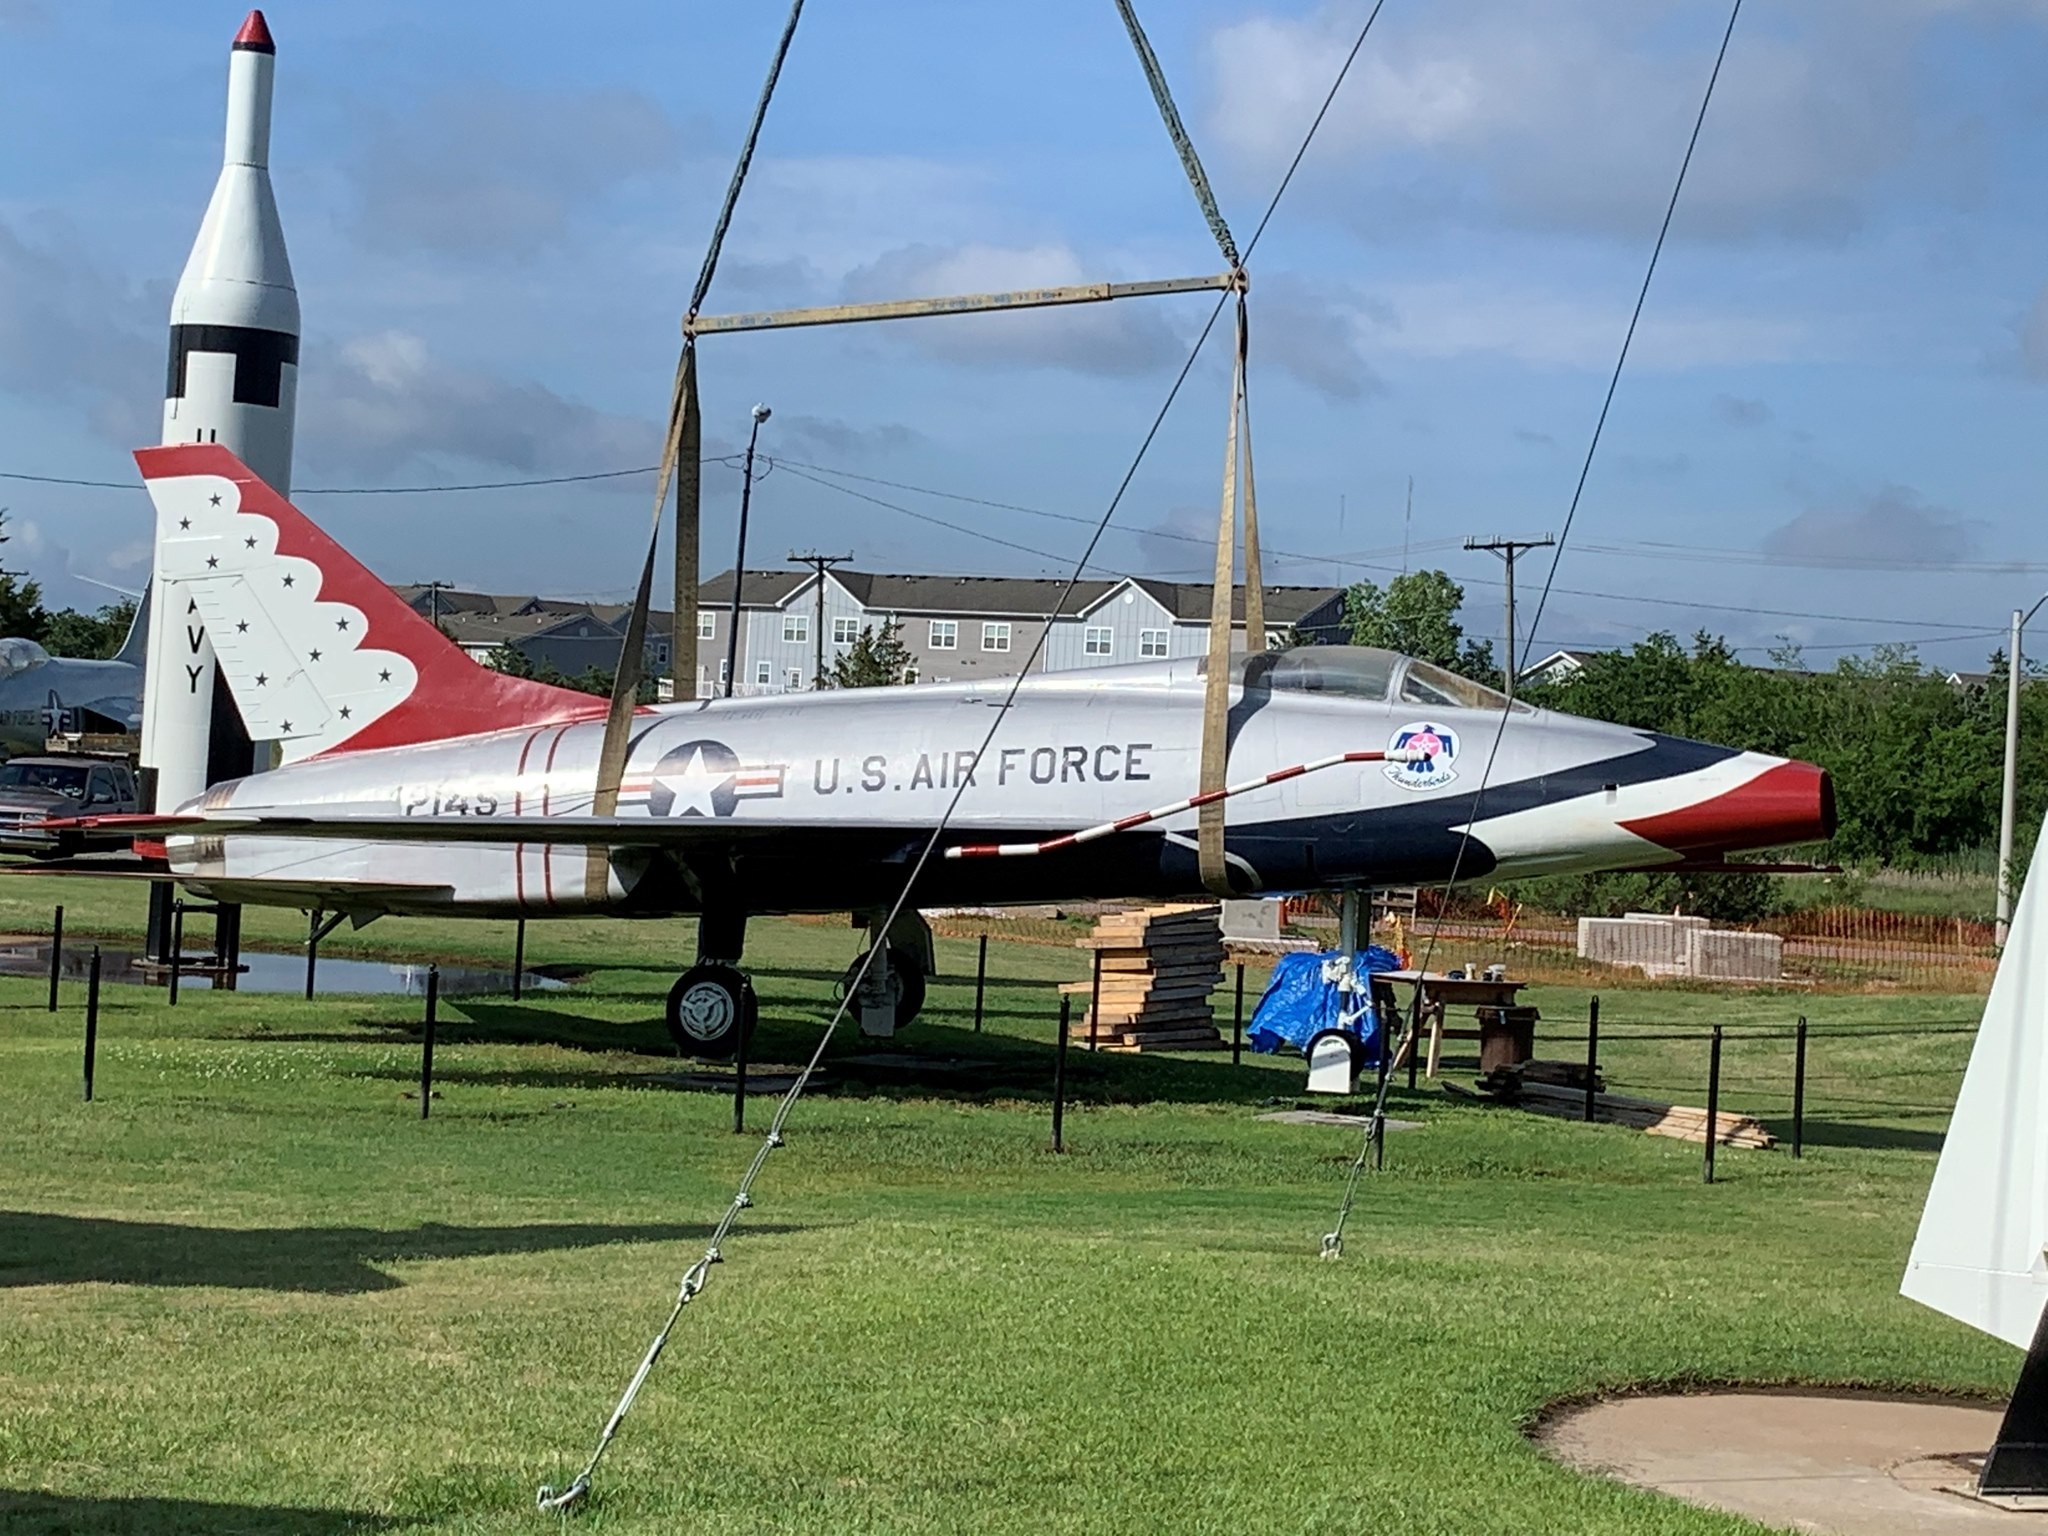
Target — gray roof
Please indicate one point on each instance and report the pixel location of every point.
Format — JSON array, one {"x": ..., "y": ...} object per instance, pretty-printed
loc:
[
  {"x": 471, "y": 629},
  {"x": 483, "y": 618}
]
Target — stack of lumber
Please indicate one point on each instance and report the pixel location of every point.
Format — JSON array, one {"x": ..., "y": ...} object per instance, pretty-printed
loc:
[
  {"x": 1682, "y": 1121},
  {"x": 1159, "y": 965}
]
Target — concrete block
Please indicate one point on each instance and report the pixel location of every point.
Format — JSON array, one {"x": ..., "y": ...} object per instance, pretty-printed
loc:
[
  {"x": 1726, "y": 955},
  {"x": 1251, "y": 919}
]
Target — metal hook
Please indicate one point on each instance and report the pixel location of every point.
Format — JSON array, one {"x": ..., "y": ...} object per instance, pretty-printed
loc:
[{"x": 550, "y": 1502}]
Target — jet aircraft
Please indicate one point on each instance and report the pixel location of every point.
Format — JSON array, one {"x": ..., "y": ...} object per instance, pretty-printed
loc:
[
  {"x": 415, "y": 781},
  {"x": 43, "y": 695}
]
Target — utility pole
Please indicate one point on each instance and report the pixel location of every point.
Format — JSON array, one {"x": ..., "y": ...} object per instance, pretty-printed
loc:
[
  {"x": 2008, "y": 803},
  {"x": 434, "y": 591},
  {"x": 820, "y": 564},
  {"x": 1509, "y": 551},
  {"x": 739, "y": 563}
]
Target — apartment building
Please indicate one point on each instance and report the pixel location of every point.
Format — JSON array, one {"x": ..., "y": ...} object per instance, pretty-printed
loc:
[{"x": 956, "y": 628}]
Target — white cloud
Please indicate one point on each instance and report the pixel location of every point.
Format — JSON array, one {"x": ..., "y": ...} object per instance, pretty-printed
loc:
[
  {"x": 385, "y": 401},
  {"x": 1896, "y": 523},
  {"x": 1542, "y": 329},
  {"x": 1119, "y": 338},
  {"x": 1574, "y": 115},
  {"x": 490, "y": 171},
  {"x": 72, "y": 332}
]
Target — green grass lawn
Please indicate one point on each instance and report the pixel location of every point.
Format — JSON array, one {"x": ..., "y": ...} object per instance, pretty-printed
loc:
[{"x": 249, "y": 1290}]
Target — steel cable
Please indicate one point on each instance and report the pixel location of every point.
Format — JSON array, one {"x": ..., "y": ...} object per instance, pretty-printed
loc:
[
  {"x": 695, "y": 1278},
  {"x": 1333, "y": 1240}
]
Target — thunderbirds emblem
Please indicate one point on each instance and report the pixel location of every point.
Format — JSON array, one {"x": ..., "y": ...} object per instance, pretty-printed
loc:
[{"x": 1433, "y": 770}]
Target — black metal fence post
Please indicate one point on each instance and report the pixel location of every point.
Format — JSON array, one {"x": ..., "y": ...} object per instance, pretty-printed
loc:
[
  {"x": 1713, "y": 1104},
  {"x": 1414, "y": 1036},
  {"x": 1095, "y": 1000},
  {"x": 1237, "y": 1022},
  {"x": 312, "y": 948},
  {"x": 1799, "y": 1090},
  {"x": 1059, "y": 1077},
  {"x": 739, "y": 1080},
  {"x": 177, "y": 948},
  {"x": 427, "y": 1040},
  {"x": 92, "y": 1018},
  {"x": 56, "y": 954},
  {"x": 1592, "y": 1055},
  {"x": 980, "y": 979}
]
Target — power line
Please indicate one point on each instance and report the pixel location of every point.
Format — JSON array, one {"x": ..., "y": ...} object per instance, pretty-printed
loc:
[{"x": 358, "y": 490}]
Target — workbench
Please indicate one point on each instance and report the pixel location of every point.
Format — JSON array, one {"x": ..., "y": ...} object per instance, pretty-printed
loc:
[{"x": 1504, "y": 1028}]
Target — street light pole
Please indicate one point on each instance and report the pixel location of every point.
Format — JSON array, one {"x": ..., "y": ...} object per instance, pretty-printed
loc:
[
  {"x": 2008, "y": 803},
  {"x": 739, "y": 563}
]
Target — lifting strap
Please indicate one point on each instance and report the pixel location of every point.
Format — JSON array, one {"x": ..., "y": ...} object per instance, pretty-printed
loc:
[
  {"x": 1237, "y": 481},
  {"x": 1177, "y": 131},
  {"x": 683, "y": 439},
  {"x": 682, "y": 449}
]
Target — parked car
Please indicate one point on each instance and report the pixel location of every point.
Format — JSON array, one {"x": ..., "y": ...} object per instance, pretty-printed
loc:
[{"x": 33, "y": 789}]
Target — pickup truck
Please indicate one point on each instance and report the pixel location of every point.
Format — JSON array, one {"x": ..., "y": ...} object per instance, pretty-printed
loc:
[{"x": 33, "y": 789}]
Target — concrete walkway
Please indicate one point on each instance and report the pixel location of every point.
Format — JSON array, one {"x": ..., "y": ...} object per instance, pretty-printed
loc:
[{"x": 1848, "y": 1465}]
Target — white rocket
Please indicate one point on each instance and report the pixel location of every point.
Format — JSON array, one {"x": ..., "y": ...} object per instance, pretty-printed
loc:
[{"x": 233, "y": 380}]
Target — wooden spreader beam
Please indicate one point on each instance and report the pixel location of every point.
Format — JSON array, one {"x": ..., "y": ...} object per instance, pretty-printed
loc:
[{"x": 959, "y": 304}]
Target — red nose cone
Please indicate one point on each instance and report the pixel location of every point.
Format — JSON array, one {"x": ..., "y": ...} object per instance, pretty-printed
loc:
[
  {"x": 1790, "y": 803},
  {"x": 255, "y": 35}
]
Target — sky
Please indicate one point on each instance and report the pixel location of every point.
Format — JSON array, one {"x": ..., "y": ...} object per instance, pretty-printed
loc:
[{"x": 1828, "y": 430}]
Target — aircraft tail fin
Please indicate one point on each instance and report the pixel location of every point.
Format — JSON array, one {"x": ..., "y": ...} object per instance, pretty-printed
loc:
[
  {"x": 1979, "y": 1254},
  {"x": 135, "y": 649},
  {"x": 321, "y": 655}
]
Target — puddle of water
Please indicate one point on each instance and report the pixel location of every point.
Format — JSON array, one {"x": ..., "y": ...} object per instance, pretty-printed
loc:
[{"x": 263, "y": 972}]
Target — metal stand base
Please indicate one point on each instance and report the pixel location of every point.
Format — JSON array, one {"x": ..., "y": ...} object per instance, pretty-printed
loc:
[{"x": 2017, "y": 1464}]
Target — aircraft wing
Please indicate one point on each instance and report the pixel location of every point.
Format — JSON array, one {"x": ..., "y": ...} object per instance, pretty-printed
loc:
[
  {"x": 576, "y": 831},
  {"x": 329, "y": 895}
]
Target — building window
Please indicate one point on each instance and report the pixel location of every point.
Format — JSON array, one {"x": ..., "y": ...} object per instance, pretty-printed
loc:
[
  {"x": 707, "y": 624},
  {"x": 995, "y": 637},
  {"x": 845, "y": 630},
  {"x": 723, "y": 673},
  {"x": 793, "y": 678},
  {"x": 1151, "y": 642},
  {"x": 796, "y": 628},
  {"x": 945, "y": 635},
  {"x": 910, "y": 674},
  {"x": 764, "y": 673},
  {"x": 1276, "y": 639},
  {"x": 1099, "y": 641}
]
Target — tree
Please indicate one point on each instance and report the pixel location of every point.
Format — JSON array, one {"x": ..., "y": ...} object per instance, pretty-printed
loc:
[
  {"x": 1417, "y": 614},
  {"x": 21, "y": 601},
  {"x": 95, "y": 636},
  {"x": 507, "y": 658},
  {"x": 876, "y": 659}
]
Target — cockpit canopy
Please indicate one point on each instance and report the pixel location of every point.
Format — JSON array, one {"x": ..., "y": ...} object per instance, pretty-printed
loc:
[
  {"x": 1364, "y": 672},
  {"x": 18, "y": 656}
]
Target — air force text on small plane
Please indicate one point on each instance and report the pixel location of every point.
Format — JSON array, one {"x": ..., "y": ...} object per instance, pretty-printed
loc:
[{"x": 1002, "y": 767}]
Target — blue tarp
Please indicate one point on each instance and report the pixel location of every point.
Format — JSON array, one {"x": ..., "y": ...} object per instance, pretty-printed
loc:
[{"x": 1300, "y": 1003}]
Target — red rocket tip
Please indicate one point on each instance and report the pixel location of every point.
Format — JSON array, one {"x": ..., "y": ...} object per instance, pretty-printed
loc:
[{"x": 255, "y": 35}]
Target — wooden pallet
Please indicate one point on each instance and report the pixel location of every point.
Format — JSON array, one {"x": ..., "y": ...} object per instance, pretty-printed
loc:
[
  {"x": 1158, "y": 967},
  {"x": 1680, "y": 1121}
]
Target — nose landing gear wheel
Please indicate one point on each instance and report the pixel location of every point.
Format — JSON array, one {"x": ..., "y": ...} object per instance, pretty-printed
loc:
[{"x": 709, "y": 1007}]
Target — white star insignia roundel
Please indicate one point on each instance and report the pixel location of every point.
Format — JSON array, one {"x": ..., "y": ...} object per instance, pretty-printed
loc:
[{"x": 694, "y": 786}]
